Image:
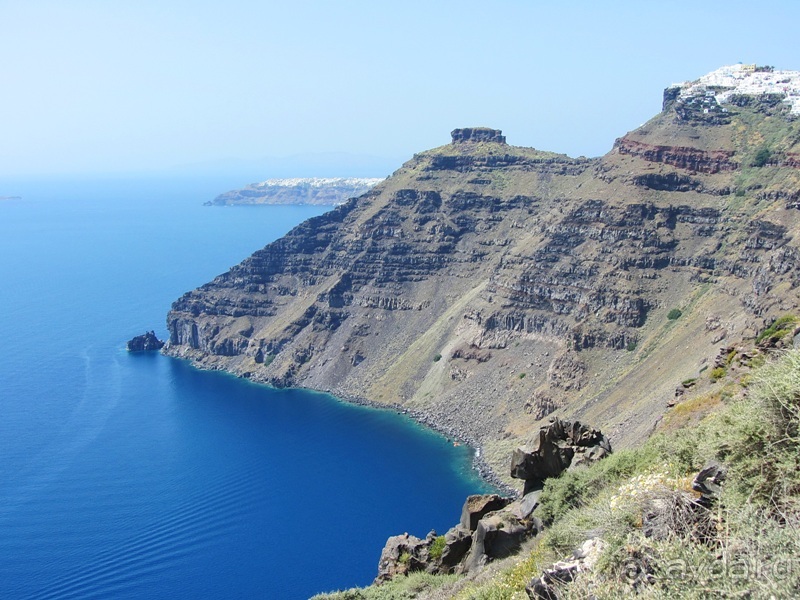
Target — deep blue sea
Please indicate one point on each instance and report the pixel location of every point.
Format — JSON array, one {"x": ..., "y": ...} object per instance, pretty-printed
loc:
[{"x": 138, "y": 476}]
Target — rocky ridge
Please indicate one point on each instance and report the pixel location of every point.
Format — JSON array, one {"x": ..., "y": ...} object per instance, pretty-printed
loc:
[{"x": 485, "y": 287}]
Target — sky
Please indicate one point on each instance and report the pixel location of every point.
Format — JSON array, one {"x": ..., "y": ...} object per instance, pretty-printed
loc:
[{"x": 98, "y": 87}]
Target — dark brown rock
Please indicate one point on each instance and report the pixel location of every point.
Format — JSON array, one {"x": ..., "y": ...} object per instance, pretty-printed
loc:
[
  {"x": 145, "y": 343},
  {"x": 497, "y": 535},
  {"x": 403, "y": 554},
  {"x": 557, "y": 447},
  {"x": 457, "y": 544},
  {"x": 477, "y": 506}
]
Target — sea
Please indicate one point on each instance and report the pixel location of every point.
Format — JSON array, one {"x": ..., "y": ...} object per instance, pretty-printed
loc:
[{"x": 139, "y": 476}]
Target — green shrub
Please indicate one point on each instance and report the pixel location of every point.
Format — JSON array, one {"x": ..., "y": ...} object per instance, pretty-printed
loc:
[
  {"x": 437, "y": 358},
  {"x": 762, "y": 157},
  {"x": 717, "y": 373},
  {"x": 437, "y": 547},
  {"x": 675, "y": 313},
  {"x": 631, "y": 346},
  {"x": 779, "y": 328},
  {"x": 521, "y": 375}
]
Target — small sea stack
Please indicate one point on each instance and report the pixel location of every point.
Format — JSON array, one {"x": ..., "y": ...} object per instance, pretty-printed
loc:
[{"x": 147, "y": 342}]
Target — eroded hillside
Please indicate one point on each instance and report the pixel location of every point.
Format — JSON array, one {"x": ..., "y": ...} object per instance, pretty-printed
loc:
[{"x": 487, "y": 286}]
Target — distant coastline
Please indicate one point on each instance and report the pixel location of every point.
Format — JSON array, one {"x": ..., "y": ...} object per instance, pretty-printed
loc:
[
  {"x": 315, "y": 191},
  {"x": 10, "y": 197}
]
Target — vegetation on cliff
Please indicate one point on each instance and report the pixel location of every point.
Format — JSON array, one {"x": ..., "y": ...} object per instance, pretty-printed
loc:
[{"x": 657, "y": 540}]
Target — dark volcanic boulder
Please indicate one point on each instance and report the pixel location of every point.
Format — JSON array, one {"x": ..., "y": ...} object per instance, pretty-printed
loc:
[
  {"x": 457, "y": 542},
  {"x": 498, "y": 535},
  {"x": 557, "y": 446},
  {"x": 145, "y": 343},
  {"x": 404, "y": 554},
  {"x": 479, "y": 505}
]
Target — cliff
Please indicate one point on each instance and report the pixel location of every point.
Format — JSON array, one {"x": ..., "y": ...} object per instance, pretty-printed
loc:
[
  {"x": 487, "y": 286},
  {"x": 321, "y": 191}
]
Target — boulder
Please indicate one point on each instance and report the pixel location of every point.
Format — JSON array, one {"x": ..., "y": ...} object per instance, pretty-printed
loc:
[
  {"x": 557, "y": 447},
  {"x": 498, "y": 535},
  {"x": 145, "y": 343},
  {"x": 457, "y": 542},
  {"x": 479, "y": 505},
  {"x": 524, "y": 507},
  {"x": 404, "y": 554},
  {"x": 583, "y": 559}
]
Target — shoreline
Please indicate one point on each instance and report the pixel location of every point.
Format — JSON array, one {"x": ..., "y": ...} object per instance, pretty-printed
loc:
[
  {"x": 479, "y": 464},
  {"x": 485, "y": 472}
]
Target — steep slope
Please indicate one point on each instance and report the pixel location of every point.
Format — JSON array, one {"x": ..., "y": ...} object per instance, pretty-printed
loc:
[{"x": 486, "y": 286}]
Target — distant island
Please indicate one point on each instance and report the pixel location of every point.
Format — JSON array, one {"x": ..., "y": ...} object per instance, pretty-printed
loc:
[
  {"x": 319, "y": 191},
  {"x": 10, "y": 197}
]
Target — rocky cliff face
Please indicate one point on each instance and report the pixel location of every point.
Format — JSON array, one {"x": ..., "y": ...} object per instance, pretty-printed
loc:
[{"x": 486, "y": 286}]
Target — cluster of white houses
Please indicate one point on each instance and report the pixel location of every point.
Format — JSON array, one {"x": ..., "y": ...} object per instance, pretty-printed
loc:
[
  {"x": 318, "y": 182},
  {"x": 747, "y": 80}
]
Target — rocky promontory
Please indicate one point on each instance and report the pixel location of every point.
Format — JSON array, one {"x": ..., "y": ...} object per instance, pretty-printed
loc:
[{"x": 485, "y": 287}]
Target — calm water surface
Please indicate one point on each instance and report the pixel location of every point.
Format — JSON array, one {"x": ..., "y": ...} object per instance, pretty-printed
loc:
[{"x": 137, "y": 476}]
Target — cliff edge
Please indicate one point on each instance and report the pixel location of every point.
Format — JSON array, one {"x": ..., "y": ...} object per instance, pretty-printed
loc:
[{"x": 487, "y": 286}]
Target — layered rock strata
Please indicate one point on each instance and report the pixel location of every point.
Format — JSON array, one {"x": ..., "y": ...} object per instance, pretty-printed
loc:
[{"x": 485, "y": 286}]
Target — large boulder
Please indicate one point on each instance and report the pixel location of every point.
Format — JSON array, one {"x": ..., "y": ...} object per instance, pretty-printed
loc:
[
  {"x": 477, "y": 134},
  {"x": 457, "y": 542},
  {"x": 404, "y": 554},
  {"x": 557, "y": 446},
  {"x": 478, "y": 505},
  {"x": 498, "y": 535}
]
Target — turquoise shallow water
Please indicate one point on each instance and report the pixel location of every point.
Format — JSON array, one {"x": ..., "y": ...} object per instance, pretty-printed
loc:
[{"x": 138, "y": 476}]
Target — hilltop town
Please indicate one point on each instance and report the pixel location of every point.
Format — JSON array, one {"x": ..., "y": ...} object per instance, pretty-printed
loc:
[{"x": 723, "y": 85}]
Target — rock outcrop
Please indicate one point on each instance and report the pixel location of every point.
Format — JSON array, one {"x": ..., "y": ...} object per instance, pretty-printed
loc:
[
  {"x": 557, "y": 447},
  {"x": 493, "y": 527},
  {"x": 146, "y": 342},
  {"x": 478, "y": 134}
]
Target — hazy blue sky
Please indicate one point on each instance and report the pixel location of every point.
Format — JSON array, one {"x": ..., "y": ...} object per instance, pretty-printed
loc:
[{"x": 97, "y": 86}]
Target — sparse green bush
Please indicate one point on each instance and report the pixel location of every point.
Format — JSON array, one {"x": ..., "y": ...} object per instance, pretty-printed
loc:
[
  {"x": 437, "y": 547},
  {"x": 437, "y": 358},
  {"x": 521, "y": 375},
  {"x": 631, "y": 346},
  {"x": 779, "y": 328},
  {"x": 674, "y": 314},
  {"x": 717, "y": 373}
]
